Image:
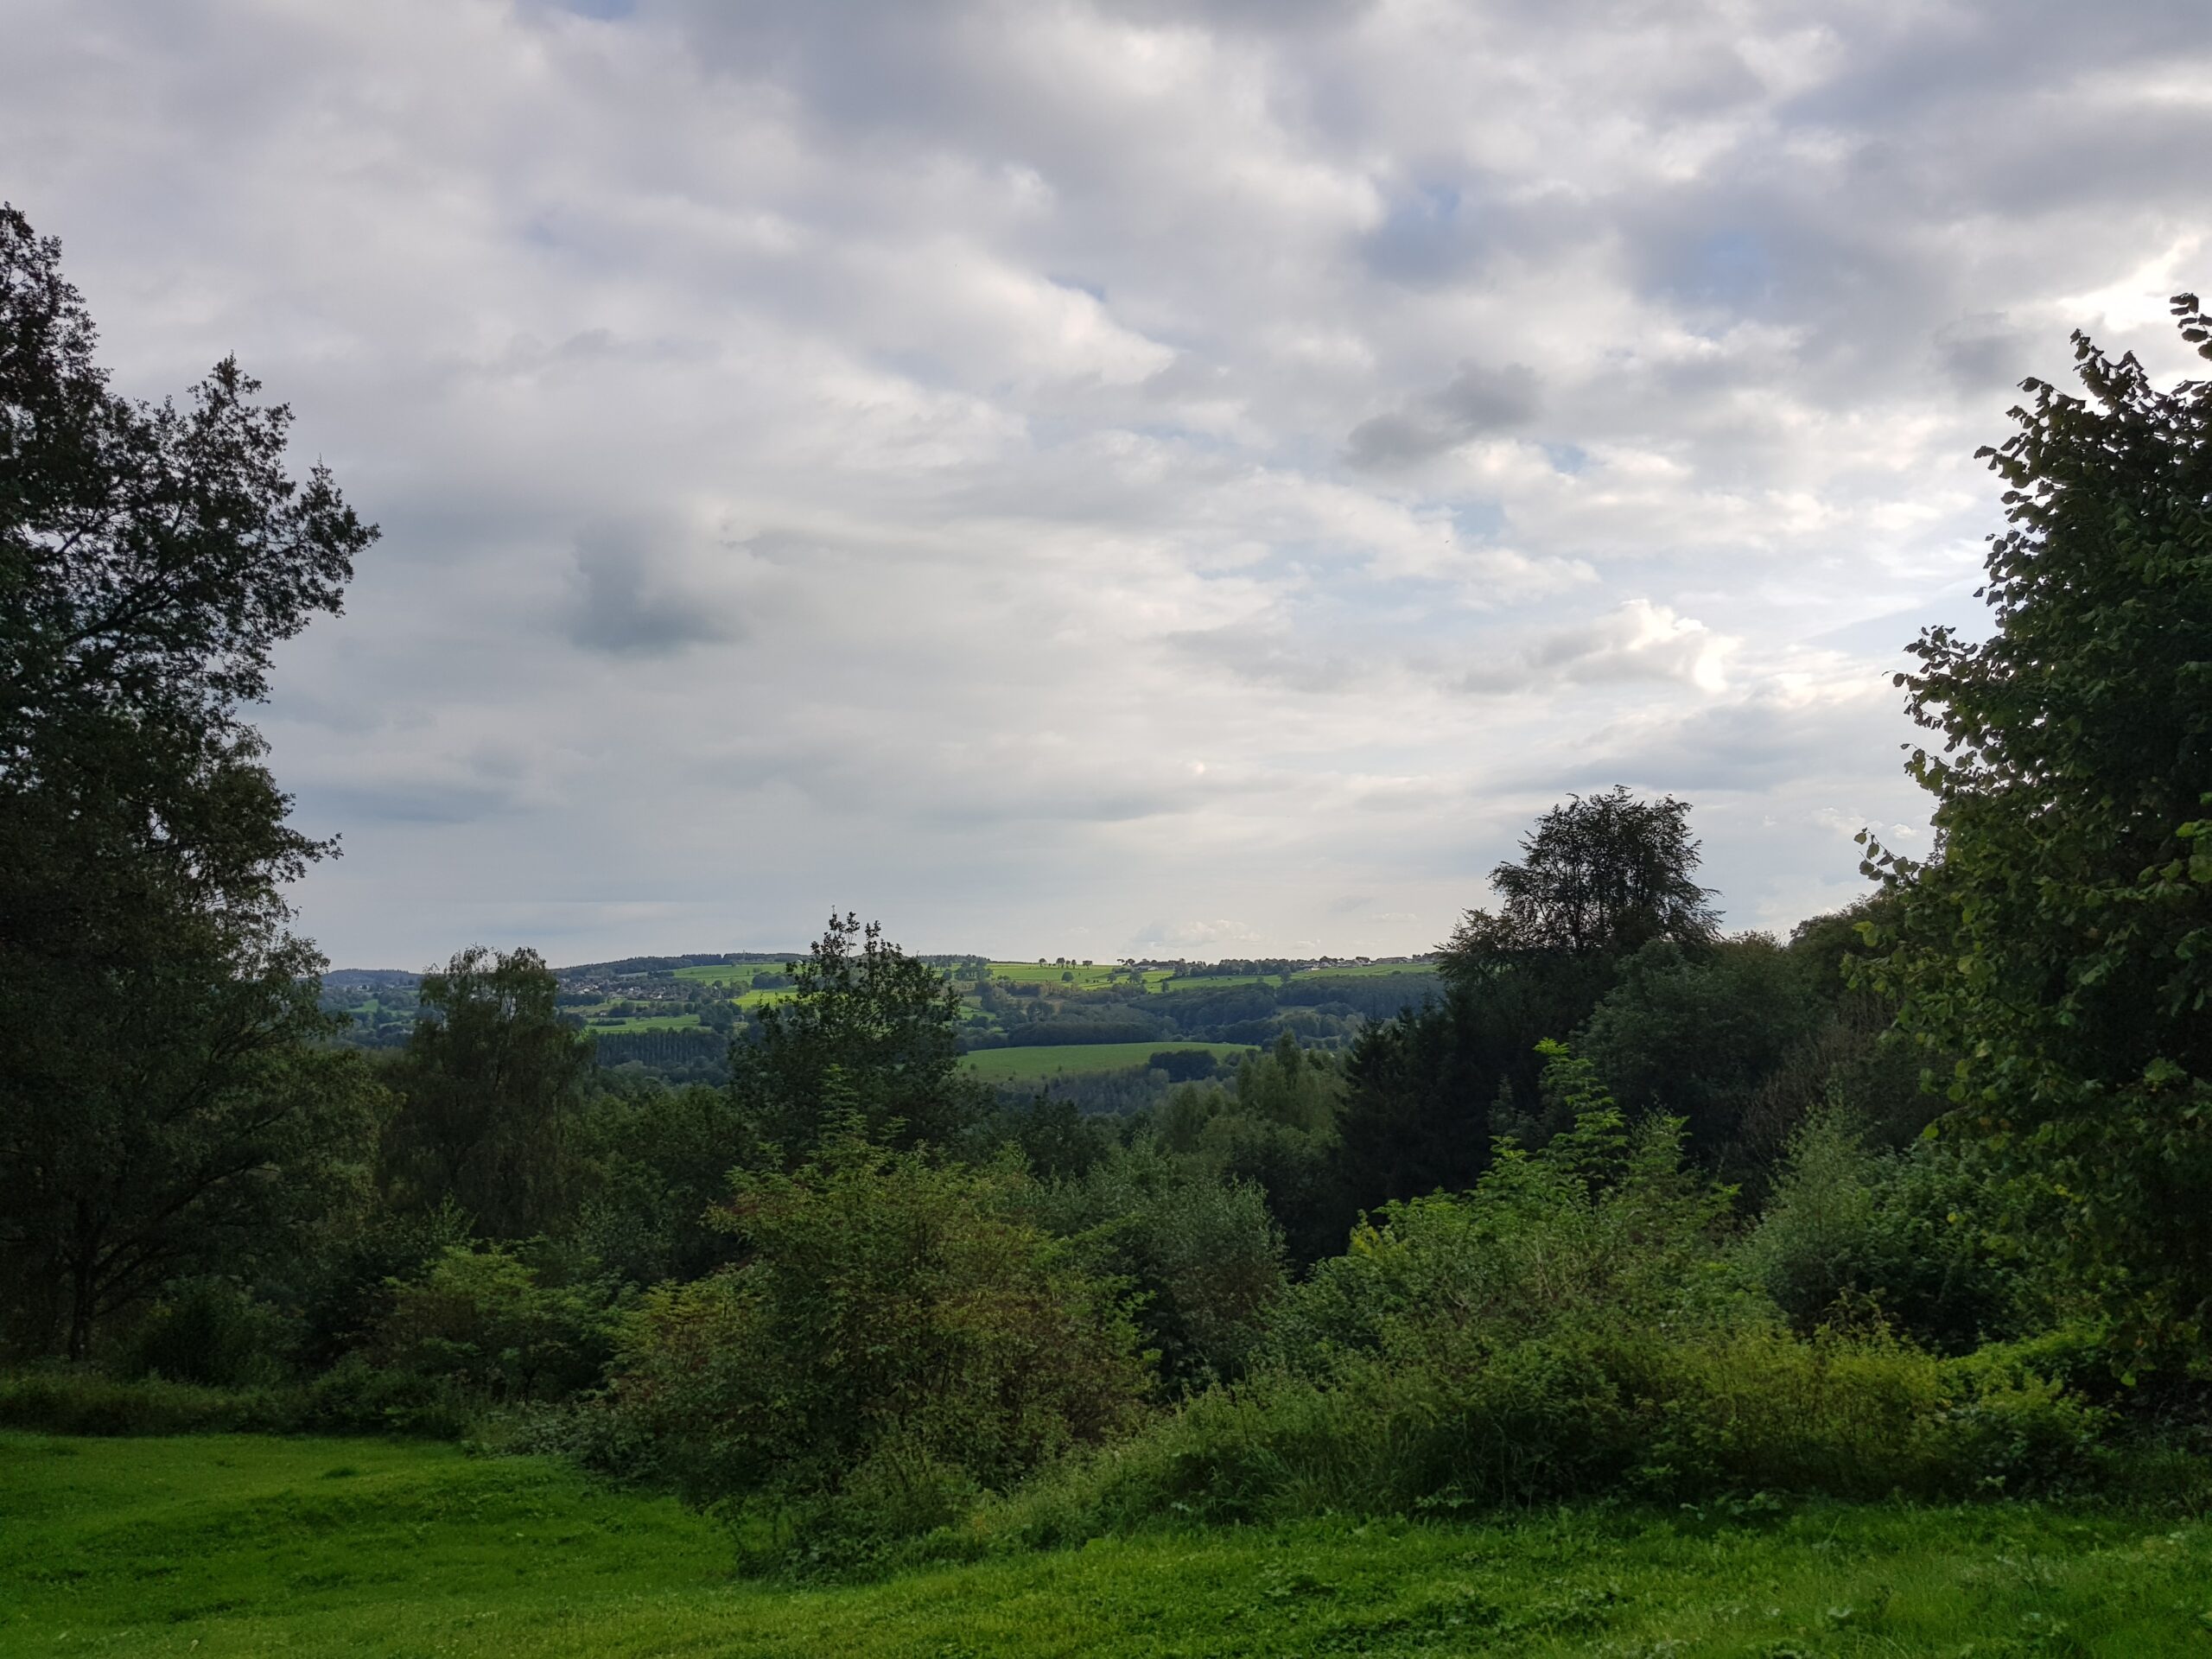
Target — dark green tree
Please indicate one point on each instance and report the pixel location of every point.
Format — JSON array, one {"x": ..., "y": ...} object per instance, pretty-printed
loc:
[
  {"x": 157, "y": 1103},
  {"x": 2058, "y": 943},
  {"x": 869, "y": 1033},
  {"x": 1599, "y": 876},
  {"x": 490, "y": 1087},
  {"x": 1694, "y": 1035}
]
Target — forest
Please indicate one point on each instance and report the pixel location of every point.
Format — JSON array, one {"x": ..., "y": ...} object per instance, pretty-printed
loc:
[{"x": 1603, "y": 1205}]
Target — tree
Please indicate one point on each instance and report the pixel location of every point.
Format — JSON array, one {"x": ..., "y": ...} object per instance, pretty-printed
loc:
[
  {"x": 870, "y": 1032},
  {"x": 1694, "y": 1036},
  {"x": 156, "y": 1101},
  {"x": 2059, "y": 941},
  {"x": 489, "y": 1086},
  {"x": 1600, "y": 875}
]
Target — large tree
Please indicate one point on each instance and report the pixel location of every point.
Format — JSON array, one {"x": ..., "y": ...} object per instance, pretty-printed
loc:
[
  {"x": 156, "y": 1102},
  {"x": 1599, "y": 876},
  {"x": 2059, "y": 942},
  {"x": 868, "y": 1039},
  {"x": 489, "y": 1091}
]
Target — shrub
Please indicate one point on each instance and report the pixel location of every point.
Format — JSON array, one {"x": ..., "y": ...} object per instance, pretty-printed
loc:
[
  {"x": 900, "y": 1339},
  {"x": 1203, "y": 1256},
  {"x": 209, "y": 1331},
  {"x": 1851, "y": 1228},
  {"x": 1570, "y": 1327},
  {"x": 351, "y": 1397},
  {"x": 486, "y": 1320}
]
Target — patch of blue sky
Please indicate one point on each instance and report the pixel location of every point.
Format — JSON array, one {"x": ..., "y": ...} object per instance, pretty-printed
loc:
[
  {"x": 1480, "y": 521},
  {"x": 1421, "y": 239}
]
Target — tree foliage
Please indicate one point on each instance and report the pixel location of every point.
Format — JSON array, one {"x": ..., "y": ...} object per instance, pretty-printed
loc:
[
  {"x": 899, "y": 1339},
  {"x": 489, "y": 1089},
  {"x": 154, "y": 1088},
  {"x": 2059, "y": 943},
  {"x": 1600, "y": 875},
  {"x": 870, "y": 1032}
]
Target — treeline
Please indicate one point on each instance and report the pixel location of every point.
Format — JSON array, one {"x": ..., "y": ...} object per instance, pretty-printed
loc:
[{"x": 1909, "y": 1203}]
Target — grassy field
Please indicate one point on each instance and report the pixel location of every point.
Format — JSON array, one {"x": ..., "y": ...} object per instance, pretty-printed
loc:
[
  {"x": 233, "y": 1545},
  {"x": 1031, "y": 973},
  {"x": 732, "y": 973},
  {"x": 647, "y": 1022},
  {"x": 1019, "y": 1064}
]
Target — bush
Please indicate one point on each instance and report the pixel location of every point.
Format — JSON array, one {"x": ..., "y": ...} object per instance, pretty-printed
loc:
[
  {"x": 486, "y": 1321},
  {"x": 1203, "y": 1256},
  {"x": 1850, "y": 1228},
  {"x": 899, "y": 1340},
  {"x": 1570, "y": 1327},
  {"x": 209, "y": 1331},
  {"x": 76, "y": 1400},
  {"x": 354, "y": 1397}
]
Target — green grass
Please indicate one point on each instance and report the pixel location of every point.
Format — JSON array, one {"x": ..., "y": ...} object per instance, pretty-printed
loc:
[
  {"x": 646, "y": 1022},
  {"x": 1218, "y": 981},
  {"x": 731, "y": 973},
  {"x": 1031, "y": 973},
  {"x": 234, "y": 1544},
  {"x": 1014, "y": 1064}
]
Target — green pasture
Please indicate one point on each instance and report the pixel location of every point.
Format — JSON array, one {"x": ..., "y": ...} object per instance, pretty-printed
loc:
[
  {"x": 1068, "y": 1059},
  {"x": 647, "y": 1022},
  {"x": 227, "y": 1546},
  {"x": 1031, "y": 973},
  {"x": 1217, "y": 981},
  {"x": 730, "y": 973}
]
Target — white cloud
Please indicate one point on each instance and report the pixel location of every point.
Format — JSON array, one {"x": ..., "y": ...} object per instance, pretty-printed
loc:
[{"x": 1017, "y": 468}]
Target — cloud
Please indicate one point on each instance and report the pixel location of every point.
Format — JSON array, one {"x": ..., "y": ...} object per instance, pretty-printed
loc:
[
  {"x": 625, "y": 605},
  {"x": 1020, "y": 469},
  {"x": 1476, "y": 402},
  {"x": 1201, "y": 935},
  {"x": 1639, "y": 641}
]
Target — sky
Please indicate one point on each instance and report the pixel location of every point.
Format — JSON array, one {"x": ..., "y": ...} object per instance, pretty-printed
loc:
[{"x": 1107, "y": 479}]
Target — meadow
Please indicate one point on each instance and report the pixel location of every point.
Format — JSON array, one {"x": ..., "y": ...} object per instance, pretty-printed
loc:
[
  {"x": 1025, "y": 1064},
  {"x": 232, "y": 1545}
]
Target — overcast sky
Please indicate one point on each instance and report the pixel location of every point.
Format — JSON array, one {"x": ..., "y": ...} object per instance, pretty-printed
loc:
[{"x": 1107, "y": 479}]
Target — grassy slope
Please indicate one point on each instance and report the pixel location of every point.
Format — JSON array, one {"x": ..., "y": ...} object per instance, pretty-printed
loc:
[
  {"x": 236, "y": 1545},
  {"x": 1014, "y": 1064}
]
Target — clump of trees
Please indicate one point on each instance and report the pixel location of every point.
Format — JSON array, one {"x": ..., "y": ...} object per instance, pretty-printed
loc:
[{"x": 1907, "y": 1201}]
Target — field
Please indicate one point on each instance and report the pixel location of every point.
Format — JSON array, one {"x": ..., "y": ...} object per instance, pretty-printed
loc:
[
  {"x": 1023, "y": 1064},
  {"x": 1086, "y": 979},
  {"x": 647, "y": 1022},
  {"x": 732, "y": 974},
  {"x": 235, "y": 1545},
  {"x": 1217, "y": 981}
]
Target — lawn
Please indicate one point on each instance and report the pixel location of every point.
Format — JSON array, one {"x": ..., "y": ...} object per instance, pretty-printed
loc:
[
  {"x": 235, "y": 1545},
  {"x": 1020, "y": 1064}
]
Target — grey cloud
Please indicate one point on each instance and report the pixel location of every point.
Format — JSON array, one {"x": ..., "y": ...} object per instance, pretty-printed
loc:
[
  {"x": 1985, "y": 353},
  {"x": 1477, "y": 402},
  {"x": 623, "y": 604}
]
